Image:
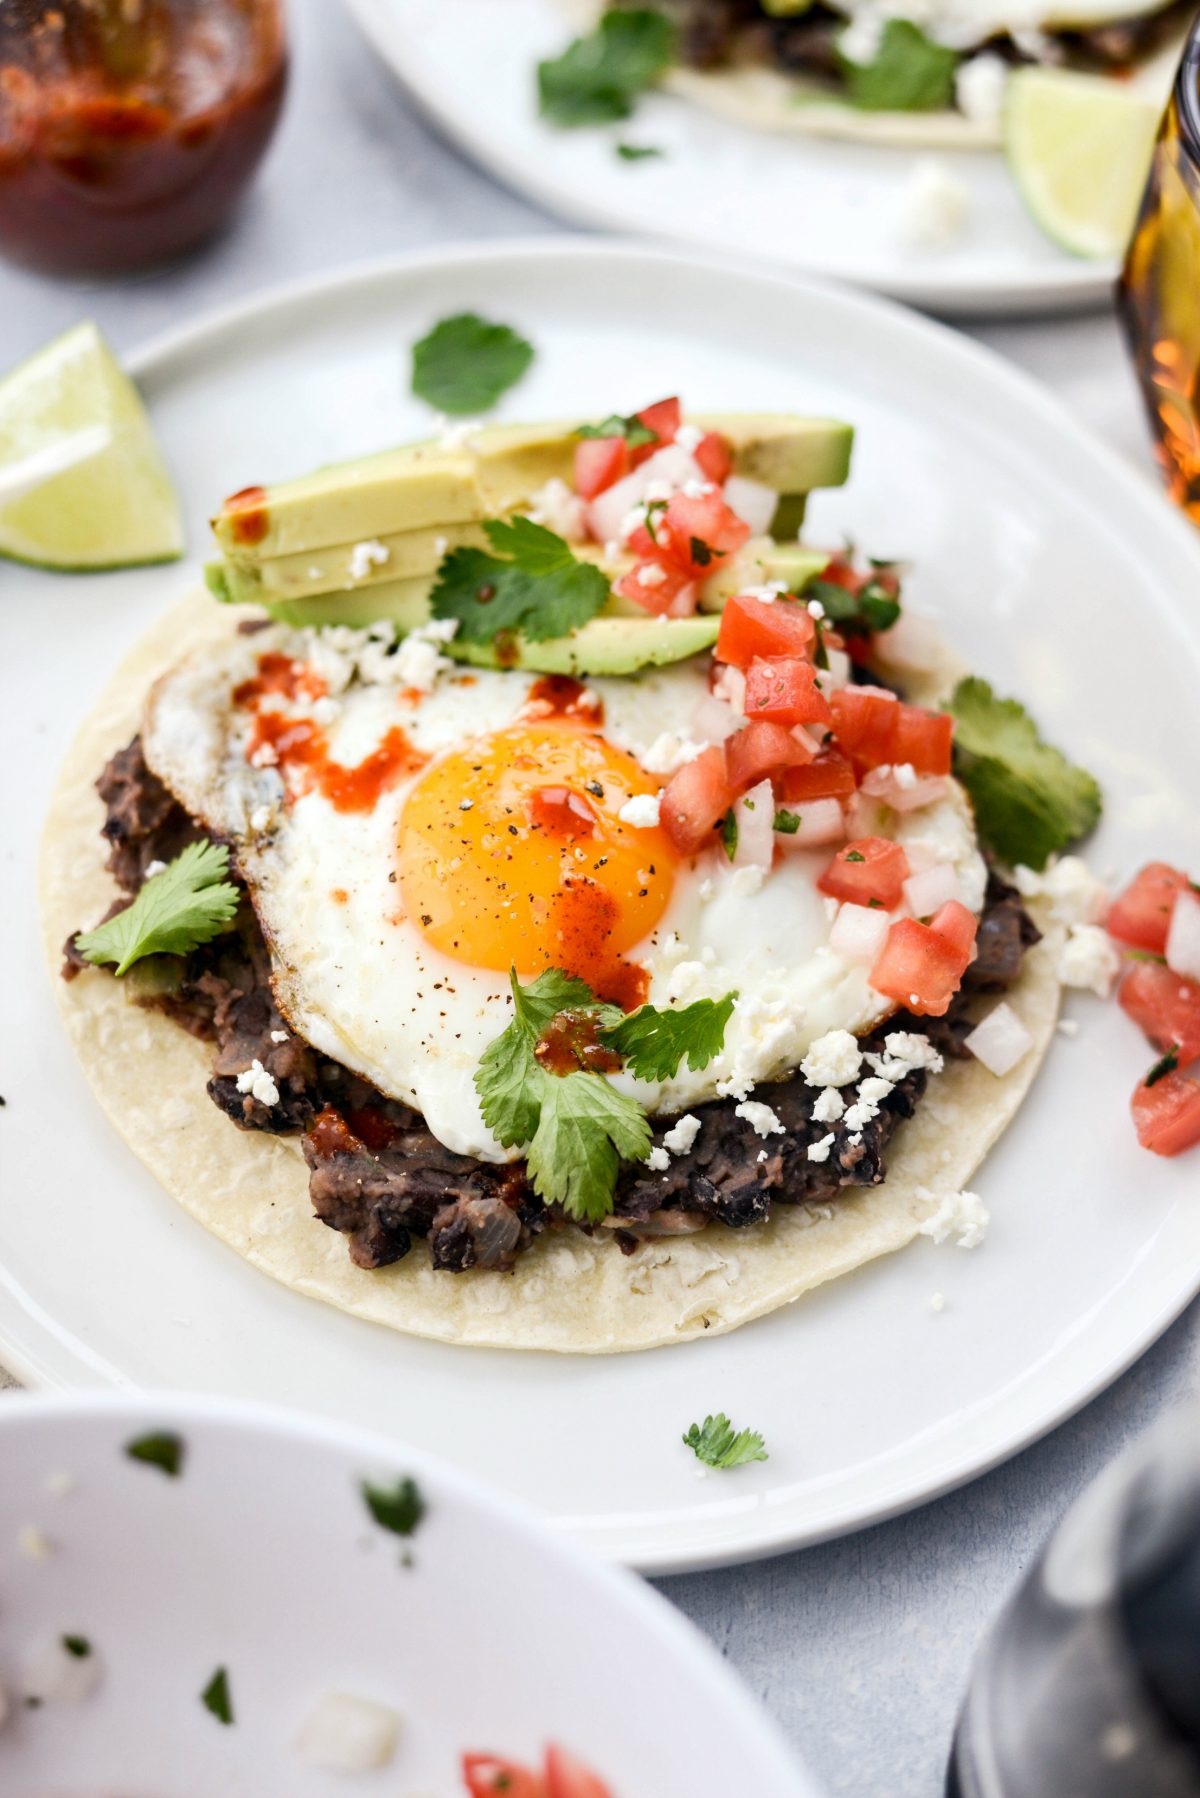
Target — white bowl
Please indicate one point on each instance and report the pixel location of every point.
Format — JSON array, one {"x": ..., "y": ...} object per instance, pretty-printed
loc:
[{"x": 482, "y": 1630}]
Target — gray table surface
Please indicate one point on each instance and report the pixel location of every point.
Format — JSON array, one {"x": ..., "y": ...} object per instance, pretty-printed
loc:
[{"x": 860, "y": 1648}]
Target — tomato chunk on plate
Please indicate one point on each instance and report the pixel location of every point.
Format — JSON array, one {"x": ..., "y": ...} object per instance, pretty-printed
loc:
[
  {"x": 760, "y": 627},
  {"x": 830, "y": 776},
  {"x": 869, "y": 871},
  {"x": 700, "y": 532},
  {"x": 785, "y": 692},
  {"x": 714, "y": 453},
  {"x": 1141, "y": 915},
  {"x": 659, "y": 589},
  {"x": 956, "y": 925},
  {"x": 486, "y": 1775},
  {"x": 695, "y": 797},
  {"x": 1165, "y": 1005},
  {"x": 664, "y": 418},
  {"x": 864, "y": 719},
  {"x": 567, "y": 1777},
  {"x": 1167, "y": 1114},
  {"x": 917, "y": 968},
  {"x": 599, "y": 462},
  {"x": 759, "y": 750},
  {"x": 923, "y": 739}
]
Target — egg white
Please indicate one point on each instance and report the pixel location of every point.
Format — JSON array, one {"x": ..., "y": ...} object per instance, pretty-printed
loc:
[{"x": 358, "y": 980}]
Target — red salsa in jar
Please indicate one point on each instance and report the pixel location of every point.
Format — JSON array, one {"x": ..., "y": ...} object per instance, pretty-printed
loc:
[{"x": 130, "y": 128}]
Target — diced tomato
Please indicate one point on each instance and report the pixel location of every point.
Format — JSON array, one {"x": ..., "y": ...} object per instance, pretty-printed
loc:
[
  {"x": 695, "y": 797},
  {"x": 599, "y": 461},
  {"x": 485, "y": 1775},
  {"x": 917, "y": 968},
  {"x": 785, "y": 692},
  {"x": 871, "y": 870},
  {"x": 830, "y": 777},
  {"x": 702, "y": 533},
  {"x": 957, "y": 927},
  {"x": 661, "y": 591},
  {"x": 714, "y": 453},
  {"x": 923, "y": 739},
  {"x": 1166, "y": 1006},
  {"x": 864, "y": 721},
  {"x": 1167, "y": 1114},
  {"x": 1141, "y": 915},
  {"x": 664, "y": 418},
  {"x": 760, "y": 627},
  {"x": 568, "y": 1778},
  {"x": 760, "y": 749}
]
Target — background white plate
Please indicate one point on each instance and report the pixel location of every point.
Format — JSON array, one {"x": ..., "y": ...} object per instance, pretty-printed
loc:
[
  {"x": 824, "y": 207},
  {"x": 1062, "y": 577},
  {"x": 263, "y": 1558}
]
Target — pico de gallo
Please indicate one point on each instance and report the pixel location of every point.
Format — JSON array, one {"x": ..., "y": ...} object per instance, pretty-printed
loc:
[
  {"x": 1156, "y": 922},
  {"x": 561, "y": 1776}
]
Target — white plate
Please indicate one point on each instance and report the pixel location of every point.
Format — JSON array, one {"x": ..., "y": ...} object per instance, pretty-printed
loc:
[
  {"x": 823, "y": 207},
  {"x": 263, "y": 1558},
  {"x": 1062, "y": 576}
]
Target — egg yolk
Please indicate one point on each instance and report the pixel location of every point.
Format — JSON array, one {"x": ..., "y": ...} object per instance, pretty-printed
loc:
[{"x": 512, "y": 853}]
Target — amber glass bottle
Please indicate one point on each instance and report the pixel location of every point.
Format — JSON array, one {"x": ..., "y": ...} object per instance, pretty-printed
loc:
[
  {"x": 130, "y": 128},
  {"x": 1159, "y": 293}
]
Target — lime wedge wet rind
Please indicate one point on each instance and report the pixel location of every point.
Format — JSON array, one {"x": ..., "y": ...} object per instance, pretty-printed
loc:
[
  {"x": 82, "y": 483},
  {"x": 1079, "y": 147}
]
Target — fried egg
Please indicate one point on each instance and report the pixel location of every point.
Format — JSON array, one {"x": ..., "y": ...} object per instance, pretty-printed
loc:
[{"x": 405, "y": 845}]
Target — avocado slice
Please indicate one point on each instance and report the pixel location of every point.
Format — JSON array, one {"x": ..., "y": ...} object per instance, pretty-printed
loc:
[
  {"x": 406, "y": 603},
  {"x": 763, "y": 560},
  {"x": 329, "y": 571},
  {"x": 602, "y": 646},
  {"x": 426, "y": 486}
]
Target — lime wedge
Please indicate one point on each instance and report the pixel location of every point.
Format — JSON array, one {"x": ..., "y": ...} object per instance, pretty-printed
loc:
[
  {"x": 1079, "y": 148},
  {"x": 82, "y": 484}
]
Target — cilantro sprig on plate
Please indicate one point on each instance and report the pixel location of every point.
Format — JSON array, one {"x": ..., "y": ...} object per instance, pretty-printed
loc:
[
  {"x": 598, "y": 77},
  {"x": 189, "y": 903},
  {"x": 533, "y": 584},
  {"x": 635, "y": 433},
  {"x": 465, "y": 363},
  {"x": 717, "y": 1444},
  {"x": 578, "y": 1127},
  {"x": 1029, "y": 800}
]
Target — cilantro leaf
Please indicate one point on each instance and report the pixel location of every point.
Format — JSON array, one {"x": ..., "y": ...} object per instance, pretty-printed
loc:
[
  {"x": 187, "y": 904},
  {"x": 162, "y": 1449},
  {"x": 872, "y": 608},
  {"x": 1166, "y": 1064},
  {"x": 908, "y": 73},
  {"x": 586, "y": 1128},
  {"x": 1029, "y": 800},
  {"x": 729, "y": 833},
  {"x": 654, "y": 1043},
  {"x": 465, "y": 363},
  {"x": 716, "y": 1444},
  {"x": 78, "y": 1647},
  {"x": 638, "y": 152},
  {"x": 787, "y": 823},
  {"x": 399, "y": 1508},
  {"x": 598, "y": 77},
  {"x": 541, "y": 590},
  {"x": 215, "y": 1696},
  {"x": 635, "y": 433}
]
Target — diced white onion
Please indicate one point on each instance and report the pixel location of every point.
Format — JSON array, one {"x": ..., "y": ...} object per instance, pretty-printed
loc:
[
  {"x": 858, "y": 933},
  {"x": 913, "y": 642},
  {"x": 713, "y": 720},
  {"x": 606, "y": 513},
  {"x": 881, "y": 783},
  {"x": 930, "y": 888},
  {"x": 837, "y": 674},
  {"x": 754, "y": 503},
  {"x": 348, "y": 1735},
  {"x": 821, "y": 821},
  {"x": 1000, "y": 1040},
  {"x": 755, "y": 814},
  {"x": 672, "y": 465},
  {"x": 730, "y": 685},
  {"x": 1183, "y": 938}
]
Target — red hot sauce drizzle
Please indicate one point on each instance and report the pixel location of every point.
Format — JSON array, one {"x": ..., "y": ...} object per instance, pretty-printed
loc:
[
  {"x": 580, "y": 925},
  {"x": 247, "y": 513},
  {"x": 560, "y": 696}
]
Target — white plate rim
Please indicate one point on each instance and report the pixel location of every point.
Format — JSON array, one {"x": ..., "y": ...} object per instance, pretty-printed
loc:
[
  {"x": 648, "y": 1611},
  {"x": 763, "y": 1535},
  {"x": 1072, "y": 287}
]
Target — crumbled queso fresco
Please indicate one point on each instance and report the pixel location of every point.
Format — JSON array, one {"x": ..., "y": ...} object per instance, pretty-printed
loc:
[
  {"x": 962, "y": 1215},
  {"x": 762, "y": 1120},
  {"x": 258, "y": 1083},
  {"x": 833, "y": 1060}
]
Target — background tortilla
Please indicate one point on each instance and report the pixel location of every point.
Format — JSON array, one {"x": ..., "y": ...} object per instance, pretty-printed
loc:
[
  {"x": 768, "y": 99},
  {"x": 568, "y": 1294}
]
